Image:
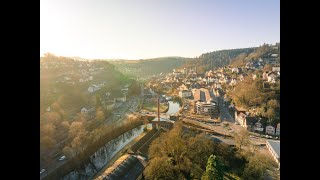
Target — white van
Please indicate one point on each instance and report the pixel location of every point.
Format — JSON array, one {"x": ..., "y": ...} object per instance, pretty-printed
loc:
[{"x": 62, "y": 158}]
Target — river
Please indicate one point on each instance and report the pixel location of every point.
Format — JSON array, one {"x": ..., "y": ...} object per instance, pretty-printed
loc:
[{"x": 173, "y": 107}]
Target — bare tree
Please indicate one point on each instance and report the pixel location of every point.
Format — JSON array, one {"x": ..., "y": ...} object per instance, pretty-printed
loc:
[{"x": 242, "y": 138}]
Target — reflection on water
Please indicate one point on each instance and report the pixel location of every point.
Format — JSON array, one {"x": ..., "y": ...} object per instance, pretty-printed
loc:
[{"x": 173, "y": 107}]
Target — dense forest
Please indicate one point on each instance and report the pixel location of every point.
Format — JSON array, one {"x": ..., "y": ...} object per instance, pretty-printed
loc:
[
  {"x": 211, "y": 60},
  {"x": 232, "y": 57},
  {"x": 215, "y": 59},
  {"x": 148, "y": 67},
  {"x": 180, "y": 154}
]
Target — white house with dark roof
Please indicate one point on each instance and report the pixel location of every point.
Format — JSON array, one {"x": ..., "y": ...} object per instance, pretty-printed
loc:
[
  {"x": 258, "y": 127},
  {"x": 185, "y": 93},
  {"x": 84, "y": 110},
  {"x": 272, "y": 77},
  {"x": 270, "y": 130},
  {"x": 276, "y": 68}
]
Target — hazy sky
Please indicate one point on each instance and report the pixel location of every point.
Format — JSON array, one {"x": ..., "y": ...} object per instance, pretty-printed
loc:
[{"x": 136, "y": 29}]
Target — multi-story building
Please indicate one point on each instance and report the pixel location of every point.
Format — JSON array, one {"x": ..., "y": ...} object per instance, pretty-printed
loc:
[{"x": 204, "y": 103}]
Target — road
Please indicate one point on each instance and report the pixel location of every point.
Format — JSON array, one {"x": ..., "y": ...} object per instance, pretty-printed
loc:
[
  {"x": 50, "y": 169},
  {"x": 124, "y": 110},
  {"x": 224, "y": 113}
]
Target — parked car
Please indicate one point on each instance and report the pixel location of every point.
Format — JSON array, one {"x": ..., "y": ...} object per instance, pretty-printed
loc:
[
  {"x": 42, "y": 171},
  {"x": 62, "y": 158}
]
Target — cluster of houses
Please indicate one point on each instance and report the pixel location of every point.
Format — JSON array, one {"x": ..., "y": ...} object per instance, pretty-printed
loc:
[
  {"x": 93, "y": 88},
  {"x": 76, "y": 71},
  {"x": 256, "y": 124},
  {"x": 89, "y": 112},
  {"x": 190, "y": 84}
]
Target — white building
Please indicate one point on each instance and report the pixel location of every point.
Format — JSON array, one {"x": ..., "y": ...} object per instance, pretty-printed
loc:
[
  {"x": 235, "y": 70},
  {"x": 270, "y": 130},
  {"x": 94, "y": 88},
  {"x": 185, "y": 93},
  {"x": 276, "y": 68},
  {"x": 84, "y": 110}
]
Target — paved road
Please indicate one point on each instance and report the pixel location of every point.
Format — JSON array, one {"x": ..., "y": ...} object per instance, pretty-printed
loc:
[
  {"x": 52, "y": 168},
  {"x": 124, "y": 108},
  {"x": 224, "y": 113}
]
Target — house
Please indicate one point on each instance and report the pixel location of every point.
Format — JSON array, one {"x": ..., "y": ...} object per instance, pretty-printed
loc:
[
  {"x": 271, "y": 60},
  {"x": 84, "y": 110},
  {"x": 242, "y": 76},
  {"x": 265, "y": 75},
  {"x": 254, "y": 76},
  {"x": 240, "y": 118},
  {"x": 259, "y": 126},
  {"x": 235, "y": 70},
  {"x": 249, "y": 123},
  {"x": 187, "y": 82},
  {"x": 272, "y": 77},
  {"x": 121, "y": 99},
  {"x": 270, "y": 130},
  {"x": 209, "y": 74},
  {"x": 239, "y": 113},
  {"x": 93, "y": 88},
  {"x": 217, "y": 86},
  {"x": 255, "y": 64},
  {"x": 174, "y": 117},
  {"x": 195, "y": 85},
  {"x": 233, "y": 82},
  {"x": 276, "y": 68},
  {"x": 176, "y": 73},
  {"x": 185, "y": 93},
  {"x": 124, "y": 90},
  {"x": 278, "y": 129},
  {"x": 90, "y": 113},
  {"x": 274, "y": 148},
  {"x": 162, "y": 122}
]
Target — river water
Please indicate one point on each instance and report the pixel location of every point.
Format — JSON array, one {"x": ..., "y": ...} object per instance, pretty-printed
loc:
[{"x": 173, "y": 107}]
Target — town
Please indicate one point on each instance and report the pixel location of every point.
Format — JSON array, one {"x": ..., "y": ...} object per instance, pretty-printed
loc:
[{"x": 207, "y": 102}]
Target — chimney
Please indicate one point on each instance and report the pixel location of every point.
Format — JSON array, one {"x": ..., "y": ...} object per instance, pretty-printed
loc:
[{"x": 158, "y": 110}]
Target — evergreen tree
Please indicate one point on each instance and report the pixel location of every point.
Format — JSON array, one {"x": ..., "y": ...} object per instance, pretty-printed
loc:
[{"x": 213, "y": 170}]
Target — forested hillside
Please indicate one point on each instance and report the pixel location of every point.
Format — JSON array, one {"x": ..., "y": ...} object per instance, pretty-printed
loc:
[
  {"x": 148, "y": 67},
  {"x": 232, "y": 57},
  {"x": 215, "y": 59},
  {"x": 64, "y": 91}
]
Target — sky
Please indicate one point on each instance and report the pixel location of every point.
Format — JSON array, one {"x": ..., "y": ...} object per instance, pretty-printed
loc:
[{"x": 139, "y": 29}]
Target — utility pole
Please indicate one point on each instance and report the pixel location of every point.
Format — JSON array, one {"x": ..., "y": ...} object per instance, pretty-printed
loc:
[{"x": 158, "y": 103}]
